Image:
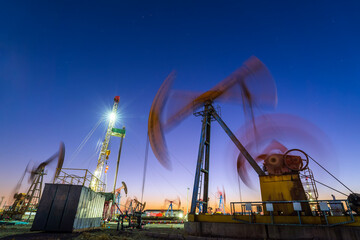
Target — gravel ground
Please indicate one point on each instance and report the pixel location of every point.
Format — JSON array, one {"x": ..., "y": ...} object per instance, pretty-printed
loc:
[{"x": 150, "y": 231}]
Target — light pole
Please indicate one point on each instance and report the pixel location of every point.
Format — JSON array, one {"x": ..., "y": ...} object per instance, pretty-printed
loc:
[
  {"x": 187, "y": 201},
  {"x": 118, "y": 160}
]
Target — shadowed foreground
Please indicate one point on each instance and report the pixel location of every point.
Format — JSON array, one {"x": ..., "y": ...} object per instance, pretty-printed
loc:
[{"x": 153, "y": 231}]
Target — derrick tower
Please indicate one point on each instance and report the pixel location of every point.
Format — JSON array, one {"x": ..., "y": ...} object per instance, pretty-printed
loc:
[{"x": 100, "y": 172}]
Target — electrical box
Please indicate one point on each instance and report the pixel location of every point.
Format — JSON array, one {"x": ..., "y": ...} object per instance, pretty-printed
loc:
[{"x": 68, "y": 208}]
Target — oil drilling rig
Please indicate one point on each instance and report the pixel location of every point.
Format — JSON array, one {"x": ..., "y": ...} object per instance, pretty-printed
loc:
[
  {"x": 96, "y": 181},
  {"x": 284, "y": 200},
  {"x": 85, "y": 203},
  {"x": 101, "y": 168}
]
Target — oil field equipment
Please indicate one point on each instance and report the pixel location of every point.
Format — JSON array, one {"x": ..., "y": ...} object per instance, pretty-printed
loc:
[
  {"x": 76, "y": 200},
  {"x": 170, "y": 208},
  {"x": 29, "y": 201},
  {"x": 158, "y": 216},
  {"x": 68, "y": 208},
  {"x": 118, "y": 195},
  {"x": 132, "y": 213},
  {"x": 222, "y": 201},
  {"x": 285, "y": 203},
  {"x": 1, "y": 201},
  {"x": 235, "y": 87},
  {"x": 133, "y": 205},
  {"x": 100, "y": 174},
  {"x": 96, "y": 181},
  {"x": 68, "y": 204}
]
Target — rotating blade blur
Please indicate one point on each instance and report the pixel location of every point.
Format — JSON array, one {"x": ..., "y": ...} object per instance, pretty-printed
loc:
[{"x": 251, "y": 85}]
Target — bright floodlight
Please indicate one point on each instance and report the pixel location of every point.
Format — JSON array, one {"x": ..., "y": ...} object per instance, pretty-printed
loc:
[{"x": 112, "y": 116}]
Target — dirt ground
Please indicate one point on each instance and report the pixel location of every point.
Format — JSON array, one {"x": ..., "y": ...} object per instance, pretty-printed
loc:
[{"x": 150, "y": 231}]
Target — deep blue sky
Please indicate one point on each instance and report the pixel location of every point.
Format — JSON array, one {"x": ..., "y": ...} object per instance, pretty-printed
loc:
[{"x": 62, "y": 62}]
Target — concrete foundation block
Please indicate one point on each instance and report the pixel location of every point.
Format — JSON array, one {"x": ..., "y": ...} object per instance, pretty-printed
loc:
[
  {"x": 263, "y": 231},
  {"x": 226, "y": 230},
  {"x": 313, "y": 232}
]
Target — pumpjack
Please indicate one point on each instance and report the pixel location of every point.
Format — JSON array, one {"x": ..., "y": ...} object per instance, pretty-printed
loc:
[
  {"x": 28, "y": 202},
  {"x": 170, "y": 208},
  {"x": 253, "y": 86},
  {"x": 284, "y": 211}
]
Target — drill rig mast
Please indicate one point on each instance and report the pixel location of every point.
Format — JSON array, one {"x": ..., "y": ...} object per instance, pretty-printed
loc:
[{"x": 100, "y": 172}]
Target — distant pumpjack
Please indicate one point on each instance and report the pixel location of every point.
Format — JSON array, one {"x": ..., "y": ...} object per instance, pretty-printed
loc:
[
  {"x": 118, "y": 195},
  {"x": 170, "y": 208},
  {"x": 221, "y": 195},
  {"x": 29, "y": 201}
]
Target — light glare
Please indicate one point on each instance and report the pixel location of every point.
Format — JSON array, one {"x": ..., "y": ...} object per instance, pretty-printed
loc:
[{"x": 112, "y": 116}]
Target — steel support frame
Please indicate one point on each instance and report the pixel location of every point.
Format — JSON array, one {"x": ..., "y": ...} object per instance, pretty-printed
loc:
[
  {"x": 100, "y": 173},
  {"x": 204, "y": 149},
  {"x": 33, "y": 195},
  {"x": 171, "y": 209},
  {"x": 208, "y": 114},
  {"x": 118, "y": 161},
  {"x": 221, "y": 204}
]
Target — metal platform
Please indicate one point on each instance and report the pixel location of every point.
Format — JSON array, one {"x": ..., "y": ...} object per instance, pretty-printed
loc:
[{"x": 329, "y": 219}]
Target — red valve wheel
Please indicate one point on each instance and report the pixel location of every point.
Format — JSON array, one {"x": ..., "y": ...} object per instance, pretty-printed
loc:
[{"x": 293, "y": 163}]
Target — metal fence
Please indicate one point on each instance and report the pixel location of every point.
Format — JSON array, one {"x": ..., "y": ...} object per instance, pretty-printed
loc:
[
  {"x": 76, "y": 176},
  {"x": 323, "y": 209}
]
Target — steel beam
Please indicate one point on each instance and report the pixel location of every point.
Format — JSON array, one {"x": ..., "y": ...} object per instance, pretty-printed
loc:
[
  {"x": 242, "y": 149},
  {"x": 118, "y": 161},
  {"x": 207, "y": 159},
  {"x": 198, "y": 168}
]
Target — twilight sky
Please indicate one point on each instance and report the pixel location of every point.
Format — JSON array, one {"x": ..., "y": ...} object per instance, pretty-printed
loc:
[{"x": 62, "y": 63}]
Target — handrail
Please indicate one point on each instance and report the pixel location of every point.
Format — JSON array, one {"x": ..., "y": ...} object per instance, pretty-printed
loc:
[
  {"x": 320, "y": 208},
  {"x": 75, "y": 179}
]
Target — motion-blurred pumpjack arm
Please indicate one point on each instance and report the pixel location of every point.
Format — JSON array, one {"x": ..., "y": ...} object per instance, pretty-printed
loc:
[{"x": 238, "y": 144}]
